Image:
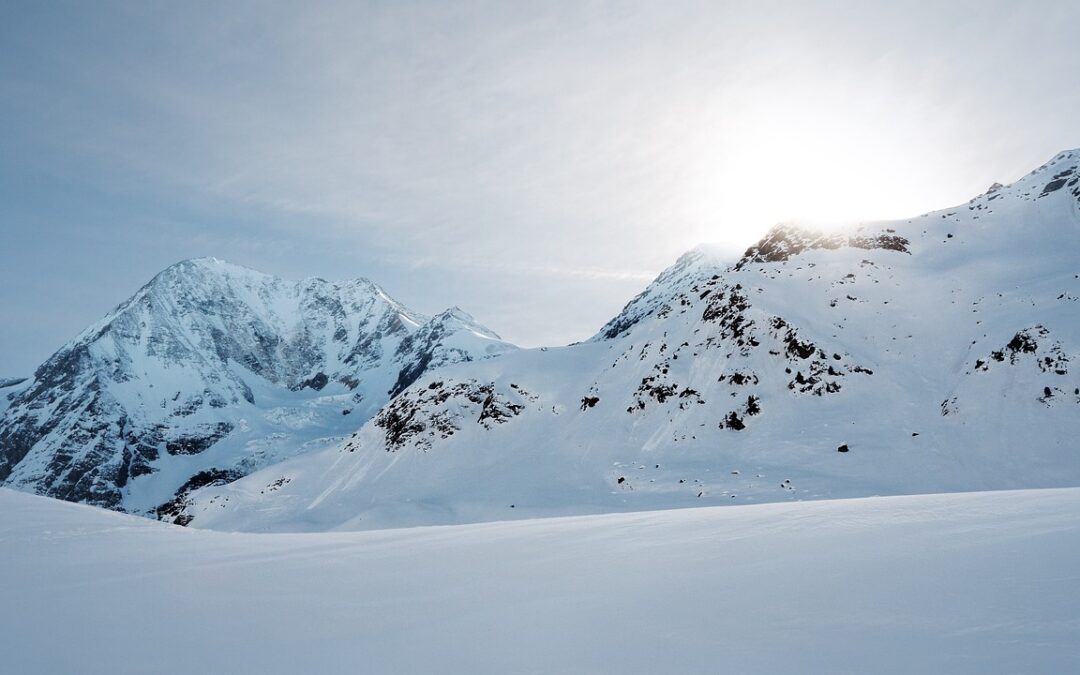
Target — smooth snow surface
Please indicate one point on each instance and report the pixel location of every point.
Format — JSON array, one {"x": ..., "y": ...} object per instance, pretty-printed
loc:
[{"x": 978, "y": 582}]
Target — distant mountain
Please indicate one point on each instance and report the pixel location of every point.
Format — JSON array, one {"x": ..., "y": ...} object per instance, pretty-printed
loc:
[
  {"x": 211, "y": 371},
  {"x": 937, "y": 353}
]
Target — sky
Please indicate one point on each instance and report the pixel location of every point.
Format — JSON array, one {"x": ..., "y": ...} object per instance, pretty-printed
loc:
[{"x": 535, "y": 163}]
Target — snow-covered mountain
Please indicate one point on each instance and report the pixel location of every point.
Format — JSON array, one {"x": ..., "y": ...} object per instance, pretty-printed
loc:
[
  {"x": 211, "y": 371},
  {"x": 931, "y": 354}
]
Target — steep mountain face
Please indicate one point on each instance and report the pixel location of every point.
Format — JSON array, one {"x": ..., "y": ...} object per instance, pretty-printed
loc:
[
  {"x": 932, "y": 354},
  {"x": 211, "y": 371},
  {"x": 9, "y": 388}
]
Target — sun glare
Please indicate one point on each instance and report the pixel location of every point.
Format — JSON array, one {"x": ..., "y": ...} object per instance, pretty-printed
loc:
[{"x": 818, "y": 171}]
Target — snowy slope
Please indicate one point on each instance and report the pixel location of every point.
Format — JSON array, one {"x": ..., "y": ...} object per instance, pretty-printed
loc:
[
  {"x": 210, "y": 371},
  {"x": 932, "y": 354},
  {"x": 972, "y": 583}
]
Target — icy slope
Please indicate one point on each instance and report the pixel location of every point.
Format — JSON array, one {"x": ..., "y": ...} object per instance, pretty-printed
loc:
[
  {"x": 972, "y": 583},
  {"x": 212, "y": 370},
  {"x": 932, "y": 354}
]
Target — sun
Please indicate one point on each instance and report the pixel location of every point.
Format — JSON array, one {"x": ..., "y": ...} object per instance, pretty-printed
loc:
[{"x": 816, "y": 170}]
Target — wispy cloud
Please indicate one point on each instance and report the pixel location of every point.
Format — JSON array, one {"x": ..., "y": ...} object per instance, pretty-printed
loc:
[
  {"x": 587, "y": 143},
  {"x": 514, "y": 269}
]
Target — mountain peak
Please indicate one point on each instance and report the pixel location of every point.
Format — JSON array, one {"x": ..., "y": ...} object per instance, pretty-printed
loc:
[
  {"x": 212, "y": 354},
  {"x": 209, "y": 263},
  {"x": 204, "y": 260},
  {"x": 209, "y": 266},
  {"x": 702, "y": 261},
  {"x": 454, "y": 313},
  {"x": 201, "y": 269}
]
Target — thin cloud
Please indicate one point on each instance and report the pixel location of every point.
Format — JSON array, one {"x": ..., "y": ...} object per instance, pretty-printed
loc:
[{"x": 585, "y": 145}]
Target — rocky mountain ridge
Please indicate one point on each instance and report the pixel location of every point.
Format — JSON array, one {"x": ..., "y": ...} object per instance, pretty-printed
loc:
[{"x": 922, "y": 355}]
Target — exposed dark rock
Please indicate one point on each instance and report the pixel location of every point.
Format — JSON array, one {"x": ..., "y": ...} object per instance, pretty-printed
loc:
[
  {"x": 753, "y": 406},
  {"x": 948, "y": 406},
  {"x": 410, "y": 373},
  {"x": 193, "y": 444},
  {"x": 739, "y": 379},
  {"x": 784, "y": 241},
  {"x": 1022, "y": 342},
  {"x": 1053, "y": 186},
  {"x": 419, "y": 416},
  {"x": 173, "y": 510},
  {"x": 733, "y": 421},
  {"x": 398, "y": 419},
  {"x": 498, "y": 410},
  {"x": 316, "y": 382}
]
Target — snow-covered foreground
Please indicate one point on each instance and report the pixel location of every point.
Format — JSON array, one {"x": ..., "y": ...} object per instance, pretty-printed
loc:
[{"x": 977, "y": 582}]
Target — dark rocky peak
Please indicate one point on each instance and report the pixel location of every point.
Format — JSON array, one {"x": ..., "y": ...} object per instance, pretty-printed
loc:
[{"x": 785, "y": 241}]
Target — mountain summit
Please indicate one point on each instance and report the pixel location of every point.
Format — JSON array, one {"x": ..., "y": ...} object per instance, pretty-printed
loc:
[{"x": 212, "y": 370}]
